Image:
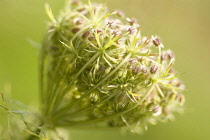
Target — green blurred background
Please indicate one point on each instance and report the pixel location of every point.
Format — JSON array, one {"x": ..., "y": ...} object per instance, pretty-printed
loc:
[{"x": 183, "y": 25}]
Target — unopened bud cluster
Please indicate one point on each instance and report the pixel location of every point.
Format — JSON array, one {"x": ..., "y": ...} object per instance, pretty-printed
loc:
[{"x": 98, "y": 70}]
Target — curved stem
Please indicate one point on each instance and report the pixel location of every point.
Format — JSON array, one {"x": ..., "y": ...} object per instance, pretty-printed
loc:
[
  {"x": 41, "y": 71},
  {"x": 51, "y": 94}
]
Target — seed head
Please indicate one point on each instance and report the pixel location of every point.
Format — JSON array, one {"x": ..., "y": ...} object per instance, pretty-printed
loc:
[{"x": 105, "y": 73}]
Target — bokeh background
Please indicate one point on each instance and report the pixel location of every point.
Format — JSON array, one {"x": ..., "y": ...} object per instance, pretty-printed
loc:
[{"x": 183, "y": 25}]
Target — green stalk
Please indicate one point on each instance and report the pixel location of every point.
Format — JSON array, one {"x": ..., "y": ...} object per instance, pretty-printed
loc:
[
  {"x": 51, "y": 94},
  {"x": 41, "y": 67}
]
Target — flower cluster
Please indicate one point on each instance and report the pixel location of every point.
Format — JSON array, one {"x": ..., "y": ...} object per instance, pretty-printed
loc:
[{"x": 97, "y": 70}]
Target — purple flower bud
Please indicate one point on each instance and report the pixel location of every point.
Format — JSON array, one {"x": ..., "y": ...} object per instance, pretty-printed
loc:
[
  {"x": 143, "y": 69},
  {"x": 156, "y": 109},
  {"x": 166, "y": 111},
  {"x": 156, "y": 42},
  {"x": 111, "y": 23},
  {"x": 85, "y": 34},
  {"x": 170, "y": 55},
  {"x": 100, "y": 32},
  {"x": 120, "y": 13},
  {"x": 81, "y": 9},
  {"x": 154, "y": 69},
  {"x": 120, "y": 41},
  {"x": 132, "y": 30},
  {"x": 178, "y": 84},
  {"x": 140, "y": 58},
  {"x": 92, "y": 38},
  {"x": 75, "y": 2},
  {"x": 171, "y": 70},
  {"x": 75, "y": 30},
  {"x": 133, "y": 60},
  {"x": 136, "y": 70},
  {"x": 164, "y": 56},
  {"x": 116, "y": 33},
  {"x": 147, "y": 41},
  {"x": 131, "y": 21},
  {"x": 79, "y": 22},
  {"x": 182, "y": 99}
]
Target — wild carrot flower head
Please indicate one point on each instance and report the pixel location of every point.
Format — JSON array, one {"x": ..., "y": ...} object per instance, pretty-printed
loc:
[{"x": 98, "y": 70}]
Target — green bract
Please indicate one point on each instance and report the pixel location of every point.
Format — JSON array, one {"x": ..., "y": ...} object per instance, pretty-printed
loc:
[{"x": 97, "y": 70}]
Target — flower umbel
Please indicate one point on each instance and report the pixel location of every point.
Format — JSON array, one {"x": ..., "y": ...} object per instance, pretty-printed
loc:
[{"x": 97, "y": 70}]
